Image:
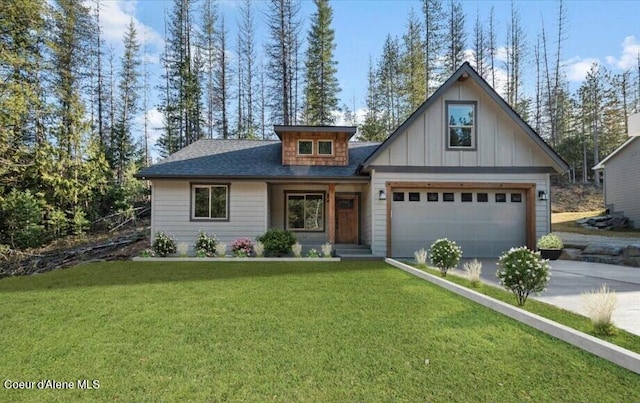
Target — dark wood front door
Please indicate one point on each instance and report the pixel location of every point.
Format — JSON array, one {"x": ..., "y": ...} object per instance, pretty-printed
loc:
[{"x": 347, "y": 219}]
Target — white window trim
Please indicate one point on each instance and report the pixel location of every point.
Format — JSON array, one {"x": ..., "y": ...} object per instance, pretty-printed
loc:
[
  {"x": 195, "y": 186},
  {"x": 326, "y": 141},
  {"x": 312, "y": 147},
  {"x": 474, "y": 127},
  {"x": 305, "y": 194}
]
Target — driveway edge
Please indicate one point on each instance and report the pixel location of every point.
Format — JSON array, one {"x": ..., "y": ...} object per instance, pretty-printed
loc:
[{"x": 610, "y": 352}]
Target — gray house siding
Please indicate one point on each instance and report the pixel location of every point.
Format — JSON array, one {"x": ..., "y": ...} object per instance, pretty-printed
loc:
[
  {"x": 171, "y": 212},
  {"x": 622, "y": 182}
]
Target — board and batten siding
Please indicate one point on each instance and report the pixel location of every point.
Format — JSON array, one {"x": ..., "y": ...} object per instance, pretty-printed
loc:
[
  {"x": 499, "y": 141},
  {"x": 622, "y": 182},
  {"x": 379, "y": 207},
  {"x": 171, "y": 212}
]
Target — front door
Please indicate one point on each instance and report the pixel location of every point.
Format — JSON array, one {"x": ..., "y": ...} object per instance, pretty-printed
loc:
[{"x": 347, "y": 218}]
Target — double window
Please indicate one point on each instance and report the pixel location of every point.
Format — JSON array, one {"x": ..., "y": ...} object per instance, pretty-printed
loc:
[
  {"x": 209, "y": 202},
  {"x": 323, "y": 147},
  {"x": 305, "y": 211},
  {"x": 461, "y": 125}
]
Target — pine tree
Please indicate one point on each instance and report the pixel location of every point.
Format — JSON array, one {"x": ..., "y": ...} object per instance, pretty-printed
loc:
[
  {"x": 433, "y": 42},
  {"x": 223, "y": 80},
  {"x": 413, "y": 66},
  {"x": 516, "y": 53},
  {"x": 322, "y": 88},
  {"x": 479, "y": 43},
  {"x": 247, "y": 62},
  {"x": 281, "y": 52},
  {"x": 390, "y": 88},
  {"x": 207, "y": 44},
  {"x": 456, "y": 37},
  {"x": 122, "y": 147},
  {"x": 373, "y": 127}
]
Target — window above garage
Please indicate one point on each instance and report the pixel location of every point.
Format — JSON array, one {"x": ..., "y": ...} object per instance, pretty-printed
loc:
[{"x": 461, "y": 125}]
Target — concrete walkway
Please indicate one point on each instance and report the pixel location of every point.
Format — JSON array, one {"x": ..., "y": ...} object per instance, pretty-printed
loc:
[{"x": 569, "y": 279}]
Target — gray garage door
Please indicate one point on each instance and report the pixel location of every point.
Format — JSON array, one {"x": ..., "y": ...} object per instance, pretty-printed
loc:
[{"x": 483, "y": 222}]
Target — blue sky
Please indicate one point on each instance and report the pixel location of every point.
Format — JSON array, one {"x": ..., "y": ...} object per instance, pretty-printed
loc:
[{"x": 604, "y": 31}]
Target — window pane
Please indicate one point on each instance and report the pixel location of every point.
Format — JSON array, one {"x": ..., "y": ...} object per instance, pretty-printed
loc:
[
  {"x": 219, "y": 202},
  {"x": 325, "y": 147},
  {"x": 414, "y": 196},
  {"x": 448, "y": 197},
  {"x": 432, "y": 197},
  {"x": 467, "y": 197},
  {"x": 313, "y": 213},
  {"x": 516, "y": 197},
  {"x": 295, "y": 208},
  {"x": 201, "y": 209},
  {"x": 398, "y": 196},
  {"x": 305, "y": 147},
  {"x": 501, "y": 197},
  {"x": 482, "y": 197},
  {"x": 460, "y": 137},
  {"x": 460, "y": 115}
]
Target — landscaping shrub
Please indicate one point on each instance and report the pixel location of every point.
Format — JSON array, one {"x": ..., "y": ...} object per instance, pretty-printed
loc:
[
  {"x": 600, "y": 305},
  {"x": 297, "y": 249},
  {"x": 473, "y": 269},
  {"x": 277, "y": 241},
  {"x": 550, "y": 241},
  {"x": 163, "y": 244},
  {"x": 258, "y": 248},
  {"x": 313, "y": 253},
  {"x": 242, "y": 247},
  {"x": 326, "y": 249},
  {"x": 522, "y": 271},
  {"x": 205, "y": 245},
  {"x": 445, "y": 255}
]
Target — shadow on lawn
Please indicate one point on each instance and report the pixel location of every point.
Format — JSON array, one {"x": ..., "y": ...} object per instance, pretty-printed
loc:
[{"x": 134, "y": 273}]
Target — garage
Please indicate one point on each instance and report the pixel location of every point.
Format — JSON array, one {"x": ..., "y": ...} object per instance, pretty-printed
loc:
[{"x": 484, "y": 222}]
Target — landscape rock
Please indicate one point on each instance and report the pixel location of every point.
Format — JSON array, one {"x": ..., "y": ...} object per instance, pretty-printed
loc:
[
  {"x": 571, "y": 254},
  {"x": 631, "y": 261},
  {"x": 631, "y": 251},
  {"x": 605, "y": 259},
  {"x": 602, "y": 249}
]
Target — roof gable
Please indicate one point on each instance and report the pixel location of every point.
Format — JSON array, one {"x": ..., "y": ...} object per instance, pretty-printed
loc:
[
  {"x": 615, "y": 153},
  {"x": 466, "y": 72}
]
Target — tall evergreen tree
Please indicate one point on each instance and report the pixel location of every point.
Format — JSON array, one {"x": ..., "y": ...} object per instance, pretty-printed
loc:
[
  {"x": 373, "y": 128},
  {"x": 413, "y": 66},
  {"x": 122, "y": 145},
  {"x": 433, "y": 42},
  {"x": 281, "y": 51},
  {"x": 390, "y": 88},
  {"x": 516, "y": 53},
  {"x": 322, "y": 88},
  {"x": 246, "y": 76},
  {"x": 223, "y": 80},
  {"x": 456, "y": 37},
  {"x": 207, "y": 43}
]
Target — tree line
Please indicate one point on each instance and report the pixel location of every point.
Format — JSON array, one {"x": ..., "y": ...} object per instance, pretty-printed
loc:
[{"x": 71, "y": 133}]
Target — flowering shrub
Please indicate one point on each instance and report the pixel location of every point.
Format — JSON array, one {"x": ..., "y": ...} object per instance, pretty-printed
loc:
[
  {"x": 296, "y": 248},
  {"x": 205, "y": 245},
  {"x": 523, "y": 271},
  {"x": 242, "y": 247},
  {"x": 163, "y": 244},
  {"x": 473, "y": 269},
  {"x": 421, "y": 258},
  {"x": 258, "y": 248},
  {"x": 445, "y": 255},
  {"x": 326, "y": 249},
  {"x": 600, "y": 305},
  {"x": 313, "y": 253},
  {"x": 550, "y": 241}
]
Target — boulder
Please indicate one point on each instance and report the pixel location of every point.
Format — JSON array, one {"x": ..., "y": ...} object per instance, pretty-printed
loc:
[
  {"x": 631, "y": 250},
  {"x": 602, "y": 249},
  {"x": 571, "y": 254},
  {"x": 606, "y": 259},
  {"x": 631, "y": 261}
]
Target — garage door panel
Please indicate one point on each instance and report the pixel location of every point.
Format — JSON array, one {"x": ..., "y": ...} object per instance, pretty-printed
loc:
[{"x": 482, "y": 229}]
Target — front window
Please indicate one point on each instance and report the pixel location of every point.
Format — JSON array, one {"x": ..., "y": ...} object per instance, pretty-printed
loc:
[
  {"x": 305, "y": 212},
  {"x": 461, "y": 127},
  {"x": 305, "y": 147},
  {"x": 209, "y": 202},
  {"x": 325, "y": 147}
]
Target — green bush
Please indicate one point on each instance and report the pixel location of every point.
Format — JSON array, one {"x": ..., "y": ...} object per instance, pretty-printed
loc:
[
  {"x": 22, "y": 219},
  {"x": 57, "y": 222},
  {"x": 205, "y": 245},
  {"x": 550, "y": 241},
  {"x": 522, "y": 271},
  {"x": 445, "y": 255},
  {"x": 80, "y": 222},
  {"x": 163, "y": 244},
  {"x": 277, "y": 241}
]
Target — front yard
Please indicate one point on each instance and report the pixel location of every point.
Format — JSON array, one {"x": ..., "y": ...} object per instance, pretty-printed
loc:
[{"x": 279, "y": 331}]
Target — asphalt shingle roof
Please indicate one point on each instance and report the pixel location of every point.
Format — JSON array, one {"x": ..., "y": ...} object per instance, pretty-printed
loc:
[{"x": 247, "y": 159}]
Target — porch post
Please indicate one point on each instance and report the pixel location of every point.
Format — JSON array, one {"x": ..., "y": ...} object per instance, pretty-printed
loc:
[{"x": 332, "y": 213}]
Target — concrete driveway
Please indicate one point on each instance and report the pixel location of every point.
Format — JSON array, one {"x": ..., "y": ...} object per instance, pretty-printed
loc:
[{"x": 569, "y": 279}]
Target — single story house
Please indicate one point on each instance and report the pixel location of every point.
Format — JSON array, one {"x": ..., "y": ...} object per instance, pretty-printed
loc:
[
  {"x": 464, "y": 166},
  {"x": 622, "y": 176}
]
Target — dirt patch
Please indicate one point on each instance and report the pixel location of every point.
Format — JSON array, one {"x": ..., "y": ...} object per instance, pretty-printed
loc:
[{"x": 575, "y": 198}]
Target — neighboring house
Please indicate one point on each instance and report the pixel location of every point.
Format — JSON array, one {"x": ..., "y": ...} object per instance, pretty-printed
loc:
[
  {"x": 464, "y": 165},
  {"x": 622, "y": 176}
]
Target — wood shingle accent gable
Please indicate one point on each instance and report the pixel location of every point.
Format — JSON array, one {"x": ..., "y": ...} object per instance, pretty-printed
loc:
[{"x": 339, "y": 156}]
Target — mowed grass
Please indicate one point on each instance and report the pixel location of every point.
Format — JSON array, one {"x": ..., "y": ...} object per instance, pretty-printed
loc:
[
  {"x": 566, "y": 222},
  {"x": 350, "y": 331}
]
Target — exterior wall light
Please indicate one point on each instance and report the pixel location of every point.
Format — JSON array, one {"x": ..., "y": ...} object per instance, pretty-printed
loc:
[
  {"x": 542, "y": 195},
  {"x": 382, "y": 195}
]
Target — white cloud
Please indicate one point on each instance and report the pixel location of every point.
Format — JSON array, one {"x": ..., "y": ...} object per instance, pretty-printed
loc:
[
  {"x": 629, "y": 57},
  {"x": 155, "y": 123},
  {"x": 577, "y": 68},
  {"x": 502, "y": 54}
]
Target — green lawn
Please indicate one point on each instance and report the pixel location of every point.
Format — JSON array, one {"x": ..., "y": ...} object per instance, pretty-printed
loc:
[{"x": 279, "y": 331}]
